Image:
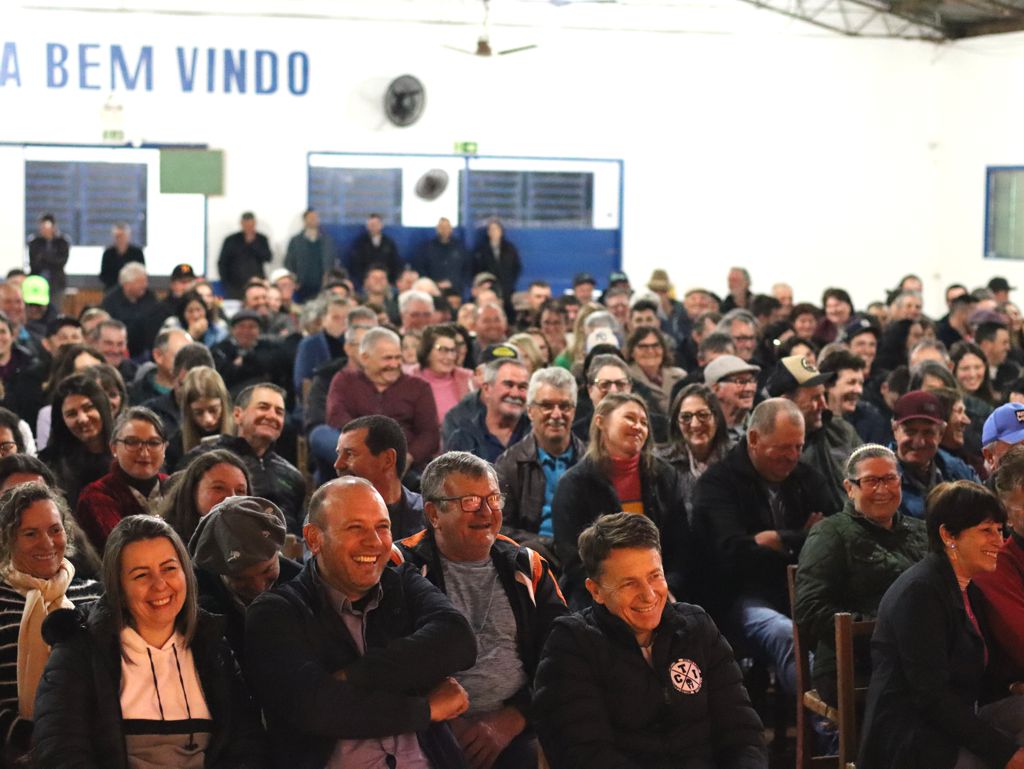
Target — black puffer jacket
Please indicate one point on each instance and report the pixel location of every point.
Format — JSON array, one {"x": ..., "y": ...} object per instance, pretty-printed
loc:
[
  {"x": 78, "y": 703},
  {"x": 585, "y": 493},
  {"x": 599, "y": 705}
]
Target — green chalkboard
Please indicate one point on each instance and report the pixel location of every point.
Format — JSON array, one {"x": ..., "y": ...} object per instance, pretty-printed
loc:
[{"x": 192, "y": 171}]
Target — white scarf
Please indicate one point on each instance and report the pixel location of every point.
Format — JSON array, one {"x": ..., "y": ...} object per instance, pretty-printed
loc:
[{"x": 42, "y": 596}]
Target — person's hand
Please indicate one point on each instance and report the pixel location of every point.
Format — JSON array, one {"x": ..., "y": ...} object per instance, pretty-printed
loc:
[
  {"x": 447, "y": 700},
  {"x": 1016, "y": 760},
  {"x": 812, "y": 519},
  {"x": 770, "y": 539},
  {"x": 484, "y": 737}
]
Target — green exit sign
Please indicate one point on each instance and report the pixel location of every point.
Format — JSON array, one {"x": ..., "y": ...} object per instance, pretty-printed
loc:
[{"x": 465, "y": 148}]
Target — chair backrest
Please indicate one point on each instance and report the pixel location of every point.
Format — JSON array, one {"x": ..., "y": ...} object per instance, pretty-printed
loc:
[
  {"x": 849, "y": 695},
  {"x": 800, "y": 641}
]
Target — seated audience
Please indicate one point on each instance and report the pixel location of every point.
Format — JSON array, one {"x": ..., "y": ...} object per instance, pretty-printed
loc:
[
  {"x": 753, "y": 511},
  {"x": 135, "y": 305},
  {"x": 236, "y": 551},
  {"x": 351, "y": 660},
  {"x": 698, "y": 435},
  {"x": 198, "y": 319},
  {"x": 850, "y": 559},
  {"x": 971, "y": 371},
  {"x": 259, "y": 419},
  {"x": 325, "y": 345},
  {"x": 79, "y": 448},
  {"x": 374, "y": 448},
  {"x": 157, "y": 378},
  {"x": 462, "y": 554},
  {"x": 167, "y": 405},
  {"x": 436, "y": 365},
  {"x": 144, "y": 678},
  {"x": 637, "y": 679},
  {"x": 843, "y": 395},
  {"x": 208, "y": 480},
  {"x": 530, "y": 470},
  {"x": 134, "y": 485},
  {"x": 929, "y": 650},
  {"x": 1003, "y": 430},
  {"x": 69, "y": 359},
  {"x": 734, "y": 383},
  {"x": 37, "y": 578},
  {"x": 619, "y": 473}
]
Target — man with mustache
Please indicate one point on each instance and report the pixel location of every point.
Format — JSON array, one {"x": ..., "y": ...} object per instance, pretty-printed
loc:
[
  {"x": 503, "y": 422},
  {"x": 529, "y": 471},
  {"x": 380, "y": 387}
]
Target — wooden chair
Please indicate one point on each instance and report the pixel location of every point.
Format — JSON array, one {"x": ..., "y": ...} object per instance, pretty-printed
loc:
[
  {"x": 851, "y": 697},
  {"x": 807, "y": 700}
]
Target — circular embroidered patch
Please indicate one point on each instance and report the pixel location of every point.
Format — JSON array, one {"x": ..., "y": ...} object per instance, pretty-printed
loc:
[{"x": 685, "y": 676}]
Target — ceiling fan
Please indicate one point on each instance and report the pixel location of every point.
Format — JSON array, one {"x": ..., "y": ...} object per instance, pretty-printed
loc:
[{"x": 483, "y": 43}]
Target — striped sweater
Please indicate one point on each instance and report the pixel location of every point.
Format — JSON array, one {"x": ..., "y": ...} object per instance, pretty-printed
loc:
[{"x": 12, "y": 605}]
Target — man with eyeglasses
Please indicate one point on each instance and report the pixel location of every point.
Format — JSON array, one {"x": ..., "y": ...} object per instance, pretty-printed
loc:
[
  {"x": 503, "y": 422},
  {"x": 507, "y": 593},
  {"x": 742, "y": 327},
  {"x": 529, "y": 471},
  {"x": 918, "y": 427},
  {"x": 734, "y": 382}
]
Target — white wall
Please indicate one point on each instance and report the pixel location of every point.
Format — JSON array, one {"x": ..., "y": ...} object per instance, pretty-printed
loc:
[{"x": 747, "y": 138}]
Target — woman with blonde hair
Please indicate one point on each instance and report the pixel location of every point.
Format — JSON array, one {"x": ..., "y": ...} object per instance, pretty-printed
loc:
[{"x": 205, "y": 411}]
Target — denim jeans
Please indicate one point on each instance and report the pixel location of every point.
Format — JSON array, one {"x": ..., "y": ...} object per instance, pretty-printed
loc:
[{"x": 770, "y": 636}]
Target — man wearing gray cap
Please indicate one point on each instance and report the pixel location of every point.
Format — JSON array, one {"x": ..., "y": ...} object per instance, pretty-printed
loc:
[
  {"x": 734, "y": 381},
  {"x": 236, "y": 551}
]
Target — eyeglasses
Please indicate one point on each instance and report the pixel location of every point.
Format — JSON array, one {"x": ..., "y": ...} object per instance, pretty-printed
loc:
[
  {"x": 7, "y": 448},
  {"x": 742, "y": 381},
  {"x": 649, "y": 346},
  {"x": 445, "y": 350},
  {"x": 472, "y": 503},
  {"x": 136, "y": 444},
  {"x": 685, "y": 417},
  {"x": 604, "y": 385},
  {"x": 871, "y": 483},
  {"x": 547, "y": 408}
]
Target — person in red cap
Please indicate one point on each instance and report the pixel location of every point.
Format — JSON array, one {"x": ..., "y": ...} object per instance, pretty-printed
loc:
[{"x": 918, "y": 426}]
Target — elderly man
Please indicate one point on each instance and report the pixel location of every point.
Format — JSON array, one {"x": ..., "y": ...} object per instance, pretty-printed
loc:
[
  {"x": 740, "y": 296},
  {"x": 381, "y": 388},
  {"x": 373, "y": 447},
  {"x": 444, "y": 260},
  {"x": 529, "y": 471},
  {"x": 259, "y": 420},
  {"x": 118, "y": 255},
  {"x": 503, "y": 422},
  {"x": 918, "y": 427},
  {"x": 351, "y": 660},
  {"x": 416, "y": 309},
  {"x": 236, "y": 552},
  {"x": 742, "y": 327},
  {"x": 242, "y": 257},
  {"x": 734, "y": 382},
  {"x": 754, "y": 509},
  {"x": 637, "y": 680},
  {"x": 1004, "y": 428},
  {"x": 505, "y": 591},
  {"x": 136, "y": 306},
  {"x": 828, "y": 441}
]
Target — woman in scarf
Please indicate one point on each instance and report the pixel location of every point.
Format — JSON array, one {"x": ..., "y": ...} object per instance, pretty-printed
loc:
[{"x": 37, "y": 579}]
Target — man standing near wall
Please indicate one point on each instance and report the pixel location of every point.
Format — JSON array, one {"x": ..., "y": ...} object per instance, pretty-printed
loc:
[
  {"x": 373, "y": 247},
  {"x": 242, "y": 257},
  {"x": 310, "y": 255},
  {"x": 48, "y": 252}
]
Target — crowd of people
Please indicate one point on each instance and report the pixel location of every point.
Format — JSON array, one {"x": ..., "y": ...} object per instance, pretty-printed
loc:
[{"x": 414, "y": 514}]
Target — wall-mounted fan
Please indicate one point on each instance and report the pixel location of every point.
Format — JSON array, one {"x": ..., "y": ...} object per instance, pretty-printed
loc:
[
  {"x": 483, "y": 43},
  {"x": 404, "y": 100}
]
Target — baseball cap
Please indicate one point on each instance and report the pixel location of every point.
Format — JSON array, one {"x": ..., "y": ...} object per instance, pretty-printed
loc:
[
  {"x": 617, "y": 277},
  {"x": 241, "y": 315},
  {"x": 793, "y": 372},
  {"x": 484, "y": 277},
  {"x": 35, "y": 289},
  {"x": 1005, "y": 424},
  {"x": 498, "y": 352},
  {"x": 862, "y": 325},
  {"x": 727, "y": 365},
  {"x": 583, "y": 277},
  {"x": 183, "y": 272},
  {"x": 281, "y": 272},
  {"x": 1000, "y": 284},
  {"x": 601, "y": 336},
  {"x": 917, "y": 404}
]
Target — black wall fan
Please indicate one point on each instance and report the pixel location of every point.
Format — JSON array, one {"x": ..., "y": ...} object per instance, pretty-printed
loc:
[{"x": 404, "y": 100}]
